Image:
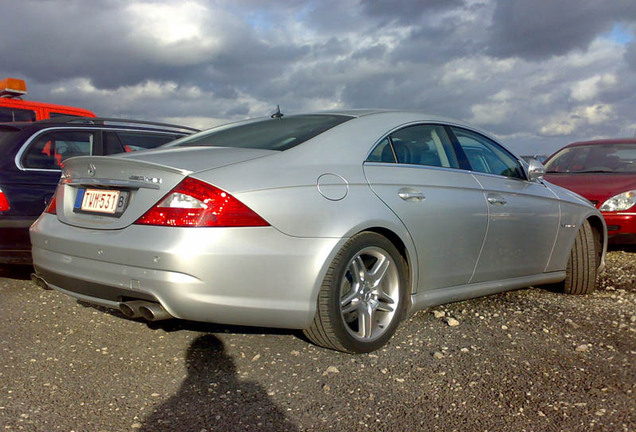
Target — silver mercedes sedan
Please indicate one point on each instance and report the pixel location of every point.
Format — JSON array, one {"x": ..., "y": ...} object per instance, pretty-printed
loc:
[{"x": 338, "y": 223}]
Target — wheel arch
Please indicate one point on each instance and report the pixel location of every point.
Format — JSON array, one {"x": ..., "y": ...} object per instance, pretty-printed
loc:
[
  {"x": 328, "y": 328},
  {"x": 409, "y": 256},
  {"x": 598, "y": 227}
]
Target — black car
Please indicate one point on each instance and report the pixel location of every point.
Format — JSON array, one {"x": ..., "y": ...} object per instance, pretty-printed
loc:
[{"x": 32, "y": 155}]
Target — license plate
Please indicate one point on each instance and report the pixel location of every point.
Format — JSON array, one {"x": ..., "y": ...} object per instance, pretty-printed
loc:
[{"x": 101, "y": 201}]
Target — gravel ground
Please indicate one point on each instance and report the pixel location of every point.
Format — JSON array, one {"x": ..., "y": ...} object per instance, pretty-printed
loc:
[{"x": 528, "y": 360}]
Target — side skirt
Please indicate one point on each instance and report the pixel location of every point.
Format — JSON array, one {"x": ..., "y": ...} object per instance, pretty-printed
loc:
[{"x": 426, "y": 299}]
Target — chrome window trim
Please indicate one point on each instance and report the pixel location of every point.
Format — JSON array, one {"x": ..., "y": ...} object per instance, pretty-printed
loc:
[
  {"x": 433, "y": 167},
  {"x": 499, "y": 176},
  {"x": 27, "y": 143}
]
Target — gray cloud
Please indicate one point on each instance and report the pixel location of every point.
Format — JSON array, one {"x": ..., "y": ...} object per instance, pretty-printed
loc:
[
  {"x": 406, "y": 11},
  {"x": 630, "y": 56},
  {"x": 539, "y": 29},
  {"x": 538, "y": 73}
]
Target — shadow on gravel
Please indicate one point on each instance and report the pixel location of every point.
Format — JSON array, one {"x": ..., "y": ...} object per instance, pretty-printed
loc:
[
  {"x": 14, "y": 271},
  {"x": 213, "y": 398}
]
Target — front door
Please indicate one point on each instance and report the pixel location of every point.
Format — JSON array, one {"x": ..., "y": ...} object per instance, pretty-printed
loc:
[{"x": 523, "y": 215}]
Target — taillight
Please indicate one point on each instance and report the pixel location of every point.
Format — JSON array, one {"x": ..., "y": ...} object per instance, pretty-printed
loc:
[
  {"x": 193, "y": 203},
  {"x": 4, "y": 202},
  {"x": 51, "y": 207}
]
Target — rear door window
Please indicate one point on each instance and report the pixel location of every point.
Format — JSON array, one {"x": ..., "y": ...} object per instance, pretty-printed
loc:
[
  {"x": 383, "y": 152},
  {"x": 426, "y": 144},
  {"x": 50, "y": 149}
]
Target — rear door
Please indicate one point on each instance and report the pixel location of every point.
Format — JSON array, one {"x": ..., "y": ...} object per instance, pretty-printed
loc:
[
  {"x": 523, "y": 215},
  {"x": 414, "y": 171}
]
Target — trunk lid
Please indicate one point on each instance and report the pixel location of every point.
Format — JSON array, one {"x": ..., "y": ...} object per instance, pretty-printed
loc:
[
  {"x": 136, "y": 182},
  {"x": 195, "y": 159}
]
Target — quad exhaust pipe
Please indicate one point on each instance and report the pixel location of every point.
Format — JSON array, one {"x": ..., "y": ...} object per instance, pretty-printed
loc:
[
  {"x": 132, "y": 309},
  {"x": 144, "y": 309}
]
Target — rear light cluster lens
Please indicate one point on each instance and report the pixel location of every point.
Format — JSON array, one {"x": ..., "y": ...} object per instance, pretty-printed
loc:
[
  {"x": 4, "y": 202},
  {"x": 51, "y": 207},
  {"x": 193, "y": 203}
]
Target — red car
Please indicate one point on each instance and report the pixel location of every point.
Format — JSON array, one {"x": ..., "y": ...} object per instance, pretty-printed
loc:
[{"x": 604, "y": 172}]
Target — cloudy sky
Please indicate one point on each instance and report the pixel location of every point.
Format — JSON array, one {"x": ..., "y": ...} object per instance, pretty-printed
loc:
[{"x": 536, "y": 73}]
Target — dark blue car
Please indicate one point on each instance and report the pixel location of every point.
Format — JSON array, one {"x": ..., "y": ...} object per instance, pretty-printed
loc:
[{"x": 31, "y": 158}]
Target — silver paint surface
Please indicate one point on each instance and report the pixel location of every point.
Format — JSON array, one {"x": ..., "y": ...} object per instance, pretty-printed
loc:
[{"x": 463, "y": 234}]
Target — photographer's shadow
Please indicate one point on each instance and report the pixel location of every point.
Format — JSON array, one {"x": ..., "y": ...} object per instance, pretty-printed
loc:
[{"x": 213, "y": 399}]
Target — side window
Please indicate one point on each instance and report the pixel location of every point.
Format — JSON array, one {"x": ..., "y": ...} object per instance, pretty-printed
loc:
[
  {"x": 382, "y": 153},
  {"x": 133, "y": 141},
  {"x": 50, "y": 149},
  {"x": 16, "y": 115},
  {"x": 486, "y": 156},
  {"x": 424, "y": 145}
]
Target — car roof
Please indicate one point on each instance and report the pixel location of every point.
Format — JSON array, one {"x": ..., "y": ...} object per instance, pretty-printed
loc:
[{"x": 378, "y": 111}]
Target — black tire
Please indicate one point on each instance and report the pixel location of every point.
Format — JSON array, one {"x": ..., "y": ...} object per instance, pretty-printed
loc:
[
  {"x": 360, "y": 314},
  {"x": 582, "y": 270}
]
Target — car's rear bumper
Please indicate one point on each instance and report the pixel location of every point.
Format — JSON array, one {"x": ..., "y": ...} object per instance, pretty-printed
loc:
[
  {"x": 245, "y": 276},
  {"x": 15, "y": 246},
  {"x": 621, "y": 227}
]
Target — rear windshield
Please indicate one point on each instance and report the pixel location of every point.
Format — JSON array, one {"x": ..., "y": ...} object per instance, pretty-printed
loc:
[
  {"x": 612, "y": 158},
  {"x": 271, "y": 134}
]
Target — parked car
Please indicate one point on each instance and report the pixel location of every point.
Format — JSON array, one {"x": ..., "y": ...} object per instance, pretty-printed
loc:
[
  {"x": 338, "y": 223},
  {"x": 604, "y": 172},
  {"x": 34, "y": 153}
]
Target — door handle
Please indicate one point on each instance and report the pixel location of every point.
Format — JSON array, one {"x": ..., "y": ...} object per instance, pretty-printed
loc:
[
  {"x": 411, "y": 195},
  {"x": 496, "y": 199}
]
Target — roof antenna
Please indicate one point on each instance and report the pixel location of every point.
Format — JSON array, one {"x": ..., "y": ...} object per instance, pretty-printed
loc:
[{"x": 277, "y": 114}]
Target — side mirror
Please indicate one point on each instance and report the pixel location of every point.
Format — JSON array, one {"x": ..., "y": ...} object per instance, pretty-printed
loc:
[{"x": 536, "y": 170}]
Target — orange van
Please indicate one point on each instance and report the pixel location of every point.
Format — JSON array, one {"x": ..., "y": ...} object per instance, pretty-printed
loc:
[{"x": 14, "y": 109}]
